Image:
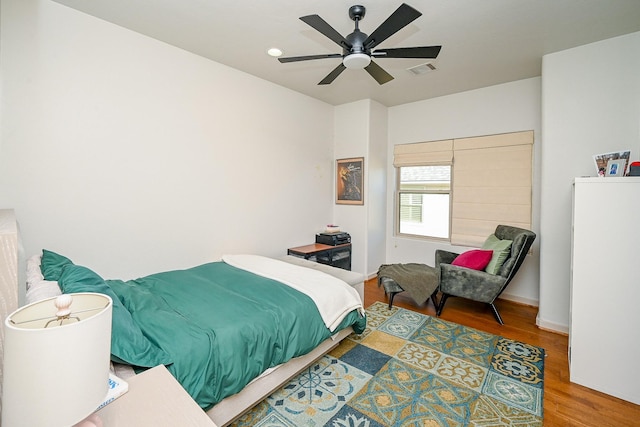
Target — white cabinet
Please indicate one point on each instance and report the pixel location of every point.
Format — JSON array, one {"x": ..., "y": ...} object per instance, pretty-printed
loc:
[{"x": 604, "y": 348}]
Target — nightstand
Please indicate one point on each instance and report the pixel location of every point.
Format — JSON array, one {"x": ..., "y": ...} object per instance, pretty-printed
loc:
[{"x": 154, "y": 399}]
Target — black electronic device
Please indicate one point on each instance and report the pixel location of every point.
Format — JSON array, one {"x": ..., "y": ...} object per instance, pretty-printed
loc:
[{"x": 333, "y": 239}]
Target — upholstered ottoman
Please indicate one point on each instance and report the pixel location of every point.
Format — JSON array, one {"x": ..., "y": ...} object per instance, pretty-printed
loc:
[{"x": 419, "y": 280}]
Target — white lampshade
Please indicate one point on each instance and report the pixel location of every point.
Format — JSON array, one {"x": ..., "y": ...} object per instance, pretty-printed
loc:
[{"x": 56, "y": 375}]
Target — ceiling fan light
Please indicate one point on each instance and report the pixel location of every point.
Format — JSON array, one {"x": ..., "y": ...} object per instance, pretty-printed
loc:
[{"x": 356, "y": 61}]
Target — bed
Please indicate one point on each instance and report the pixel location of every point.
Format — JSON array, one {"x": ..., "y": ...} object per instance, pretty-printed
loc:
[{"x": 261, "y": 307}]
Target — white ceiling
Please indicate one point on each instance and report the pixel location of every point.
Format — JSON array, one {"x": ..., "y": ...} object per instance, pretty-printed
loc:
[{"x": 484, "y": 42}]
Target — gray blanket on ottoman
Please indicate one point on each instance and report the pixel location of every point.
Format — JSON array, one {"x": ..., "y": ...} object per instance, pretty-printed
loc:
[{"x": 419, "y": 280}]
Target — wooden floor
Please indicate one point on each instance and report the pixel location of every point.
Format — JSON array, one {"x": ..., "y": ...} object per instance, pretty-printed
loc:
[{"x": 565, "y": 403}]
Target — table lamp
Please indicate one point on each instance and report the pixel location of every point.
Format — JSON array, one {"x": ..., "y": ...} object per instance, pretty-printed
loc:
[{"x": 56, "y": 361}]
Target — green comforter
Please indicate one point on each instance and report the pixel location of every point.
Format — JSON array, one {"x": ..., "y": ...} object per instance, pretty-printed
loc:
[{"x": 223, "y": 326}]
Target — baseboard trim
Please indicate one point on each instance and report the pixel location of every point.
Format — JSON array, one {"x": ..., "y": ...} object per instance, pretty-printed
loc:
[
  {"x": 551, "y": 326},
  {"x": 520, "y": 300}
]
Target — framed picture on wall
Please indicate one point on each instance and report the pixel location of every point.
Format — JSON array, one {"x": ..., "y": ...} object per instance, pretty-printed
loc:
[{"x": 350, "y": 181}]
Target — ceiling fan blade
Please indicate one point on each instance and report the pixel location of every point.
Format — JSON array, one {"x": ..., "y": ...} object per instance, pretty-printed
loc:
[
  {"x": 321, "y": 25},
  {"x": 399, "y": 19},
  {"x": 430, "y": 52},
  {"x": 309, "y": 57},
  {"x": 378, "y": 73},
  {"x": 332, "y": 75}
]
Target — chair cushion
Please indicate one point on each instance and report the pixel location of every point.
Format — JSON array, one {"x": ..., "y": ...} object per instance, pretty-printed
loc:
[
  {"x": 501, "y": 251},
  {"x": 476, "y": 259}
]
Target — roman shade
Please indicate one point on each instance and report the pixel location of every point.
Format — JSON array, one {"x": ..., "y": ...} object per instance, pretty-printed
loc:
[
  {"x": 492, "y": 177},
  {"x": 423, "y": 154}
]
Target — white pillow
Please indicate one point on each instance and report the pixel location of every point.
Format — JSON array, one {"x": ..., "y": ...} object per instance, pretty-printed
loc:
[
  {"x": 34, "y": 273},
  {"x": 42, "y": 290}
]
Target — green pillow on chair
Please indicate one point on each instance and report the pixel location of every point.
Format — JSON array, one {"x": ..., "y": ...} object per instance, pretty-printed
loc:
[{"x": 501, "y": 250}]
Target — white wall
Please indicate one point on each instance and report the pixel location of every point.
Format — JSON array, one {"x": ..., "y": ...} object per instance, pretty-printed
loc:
[
  {"x": 591, "y": 105},
  {"x": 361, "y": 131},
  {"x": 377, "y": 188},
  {"x": 351, "y": 138},
  {"x": 498, "y": 109},
  {"x": 131, "y": 156}
]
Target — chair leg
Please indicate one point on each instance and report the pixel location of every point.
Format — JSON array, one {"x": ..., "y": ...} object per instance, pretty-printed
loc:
[
  {"x": 434, "y": 299},
  {"x": 391, "y": 295},
  {"x": 443, "y": 299},
  {"x": 496, "y": 314}
]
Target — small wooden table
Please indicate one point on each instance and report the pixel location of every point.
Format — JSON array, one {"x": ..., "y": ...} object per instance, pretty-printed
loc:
[
  {"x": 155, "y": 399},
  {"x": 337, "y": 256}
]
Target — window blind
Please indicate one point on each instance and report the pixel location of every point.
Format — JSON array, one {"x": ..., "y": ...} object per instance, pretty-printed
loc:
[
  {"x": 492, "y": 181},
  {"x": 423, "y": 153}
]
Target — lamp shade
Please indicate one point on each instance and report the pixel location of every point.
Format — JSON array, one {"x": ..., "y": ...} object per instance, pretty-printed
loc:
[
  {"x": 56, "y": 367},
  {"x": 356, "y": 61}
]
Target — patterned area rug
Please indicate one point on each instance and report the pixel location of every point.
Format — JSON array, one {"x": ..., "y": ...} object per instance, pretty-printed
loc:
[{"x": 409, "y": 369}]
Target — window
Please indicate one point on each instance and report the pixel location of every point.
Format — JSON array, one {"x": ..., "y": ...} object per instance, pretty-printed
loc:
[
  {"x": 424, "y": 195},
  {"x": 462, "y": 189}
]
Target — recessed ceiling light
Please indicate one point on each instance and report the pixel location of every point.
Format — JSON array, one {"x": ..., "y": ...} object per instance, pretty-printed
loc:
[{"x": 275, "y": 52}]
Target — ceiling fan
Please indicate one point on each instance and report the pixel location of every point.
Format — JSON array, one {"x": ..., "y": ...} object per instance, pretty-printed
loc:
[{"x": 358, "y": 48}]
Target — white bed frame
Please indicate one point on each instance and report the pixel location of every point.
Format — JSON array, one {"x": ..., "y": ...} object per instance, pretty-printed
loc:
[{"x": 229, "y": 409}]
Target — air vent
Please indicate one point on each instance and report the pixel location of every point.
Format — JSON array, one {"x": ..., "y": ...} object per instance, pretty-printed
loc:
[{"x": 422, "y": 69}]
